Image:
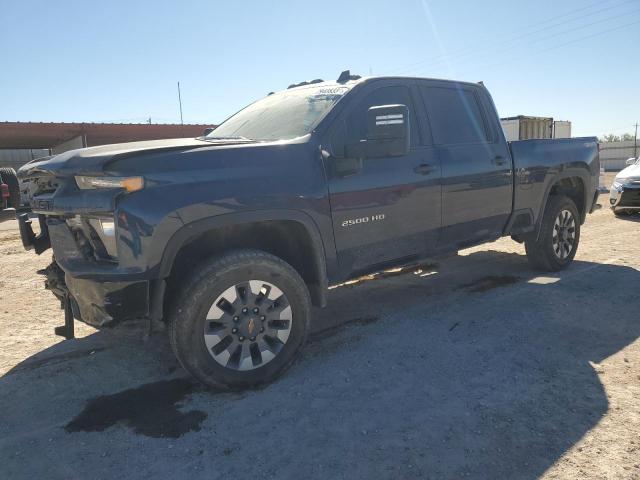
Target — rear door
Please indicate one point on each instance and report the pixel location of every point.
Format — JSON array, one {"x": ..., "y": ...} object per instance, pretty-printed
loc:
[
  {"x": 389, "y": 210},
  {"x": 476, "y": 164}
]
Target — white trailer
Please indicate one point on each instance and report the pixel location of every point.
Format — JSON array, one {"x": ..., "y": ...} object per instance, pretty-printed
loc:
[
  {"x": 524, "y": 128},
  {"x": 562, "y": 129}
]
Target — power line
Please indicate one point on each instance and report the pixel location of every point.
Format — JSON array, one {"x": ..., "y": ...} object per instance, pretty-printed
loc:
[
  {"x": 554, "y": 47},
  {"x": 491, "y": 47},
  {"x": 463, "y": 51},
  {"x": 537, "y": 52},
  {"x": 558, "y": 34}
]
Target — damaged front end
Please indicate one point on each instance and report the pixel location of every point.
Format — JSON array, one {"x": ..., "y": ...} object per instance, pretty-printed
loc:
[
  {"x": 87, "y": 276},
  {"x": 90, "y": 300},
  {"x": 99, "y": 304}
]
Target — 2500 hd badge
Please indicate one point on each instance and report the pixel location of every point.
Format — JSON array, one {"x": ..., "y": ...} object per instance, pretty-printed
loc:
[{"x": 357, "y": 221}]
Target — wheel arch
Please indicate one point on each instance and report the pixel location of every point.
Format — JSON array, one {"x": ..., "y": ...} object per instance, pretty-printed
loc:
[
  {"x": 288, "y": 234},
  {"x": 572, "y": 183}
]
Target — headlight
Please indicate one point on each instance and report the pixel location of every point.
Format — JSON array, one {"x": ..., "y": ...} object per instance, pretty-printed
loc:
[{"x": 129, "y": 184}]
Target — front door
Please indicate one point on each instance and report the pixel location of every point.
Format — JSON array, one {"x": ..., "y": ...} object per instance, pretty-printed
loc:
[{"x": 389, "y": 210}]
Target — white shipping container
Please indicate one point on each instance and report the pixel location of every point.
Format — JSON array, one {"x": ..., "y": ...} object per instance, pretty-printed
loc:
[
  {"x": 561, "y": 129},
  {"x": 524, "y": 128},
  {"x": 511, "y": 129}
]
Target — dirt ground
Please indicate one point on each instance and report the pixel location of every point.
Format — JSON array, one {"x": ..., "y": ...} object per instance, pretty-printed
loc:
[{"x": 476, "y": 367}]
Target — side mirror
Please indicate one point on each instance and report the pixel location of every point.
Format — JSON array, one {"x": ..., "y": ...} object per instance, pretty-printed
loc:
[
  {"x": 630, "y": 161},
  {"x": 207, "y": 131},
  {"x": 387, "y": 133}
]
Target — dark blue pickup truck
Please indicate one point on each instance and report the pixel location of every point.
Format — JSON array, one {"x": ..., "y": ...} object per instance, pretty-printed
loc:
[{"x": 232, "y": 236}]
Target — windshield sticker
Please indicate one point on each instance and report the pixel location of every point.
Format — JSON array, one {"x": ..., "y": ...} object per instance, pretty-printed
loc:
[{"x": 332, "y": 91}]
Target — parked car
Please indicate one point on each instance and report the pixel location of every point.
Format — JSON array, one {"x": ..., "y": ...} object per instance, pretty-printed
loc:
[
  {"x": 9, "y": 193},
  {"x": 231, "y": 237},
  {"x": 624, "y": 194}
]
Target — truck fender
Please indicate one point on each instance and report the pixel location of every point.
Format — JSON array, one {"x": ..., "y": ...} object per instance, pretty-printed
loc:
[
  {"x": 582, "y": 173},
  {"x": 192, "y": 230}
]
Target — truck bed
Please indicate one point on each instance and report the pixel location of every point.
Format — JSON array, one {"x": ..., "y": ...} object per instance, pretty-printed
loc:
[{"x": 537, "y": 164}]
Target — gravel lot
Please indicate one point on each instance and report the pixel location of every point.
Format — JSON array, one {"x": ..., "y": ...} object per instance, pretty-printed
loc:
[{"x": 476, "y": 367}]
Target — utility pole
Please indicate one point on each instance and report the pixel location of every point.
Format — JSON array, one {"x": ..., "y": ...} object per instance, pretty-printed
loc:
[
  {"x": 180, "y": 102},
  {"x": 635, "y": 143}
]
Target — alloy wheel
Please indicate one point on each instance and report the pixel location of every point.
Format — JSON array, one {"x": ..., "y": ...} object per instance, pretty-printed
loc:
[
  {"x": 564, "y": 234},
  {"x": 247, "y": 325}
]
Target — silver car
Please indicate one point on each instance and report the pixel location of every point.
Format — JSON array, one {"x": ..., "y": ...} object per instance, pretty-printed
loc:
[{"x": 625, "y": 192}]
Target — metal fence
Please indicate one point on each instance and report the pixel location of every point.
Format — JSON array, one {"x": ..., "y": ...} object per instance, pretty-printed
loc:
[
  {"x": 17, "y": 158},
  {"x": 613, "y": 155}
]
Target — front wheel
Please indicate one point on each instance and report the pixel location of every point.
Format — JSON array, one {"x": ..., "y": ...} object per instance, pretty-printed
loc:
[
  {"x": 240, "y": 320},
  {"x": 559, "y": 236}
]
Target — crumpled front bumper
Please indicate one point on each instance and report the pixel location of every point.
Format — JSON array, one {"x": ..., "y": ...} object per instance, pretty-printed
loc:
[
  {"x": 103, "y": 304},
  {"x": 100, "y": 294}
]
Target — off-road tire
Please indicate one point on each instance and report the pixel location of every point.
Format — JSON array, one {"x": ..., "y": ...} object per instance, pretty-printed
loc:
[
  {"x": 11, "y": 179},
  {"x": 188, "y": 317},
  {"x": 540, "y": 251}
]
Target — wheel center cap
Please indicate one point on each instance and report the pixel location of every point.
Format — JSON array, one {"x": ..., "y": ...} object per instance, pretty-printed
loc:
[{"x": 249, "y": 327}]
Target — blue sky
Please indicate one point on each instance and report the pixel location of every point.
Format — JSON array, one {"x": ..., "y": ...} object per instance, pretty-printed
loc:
[{"x": 119, "y": 61}]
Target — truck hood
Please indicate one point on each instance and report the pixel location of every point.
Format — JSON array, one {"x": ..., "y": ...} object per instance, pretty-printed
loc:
[
  {"x": 92, "y": 160},
  {"x": 629, "y": 174}
]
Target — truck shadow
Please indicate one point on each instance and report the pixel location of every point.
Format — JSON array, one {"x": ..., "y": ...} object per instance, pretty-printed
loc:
[
  {"x": 634, "y": 217},
  {"x": 483, "y": 369}
]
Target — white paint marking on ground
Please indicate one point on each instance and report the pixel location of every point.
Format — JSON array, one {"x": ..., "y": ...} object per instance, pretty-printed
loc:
[{"x": 544, "y": 280}]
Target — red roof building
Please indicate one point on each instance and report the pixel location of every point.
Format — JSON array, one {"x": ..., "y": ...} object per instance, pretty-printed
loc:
[{"x": 31, "y": 135}]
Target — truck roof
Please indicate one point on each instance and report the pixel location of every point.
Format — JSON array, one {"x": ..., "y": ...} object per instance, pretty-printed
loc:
[{"x": 346, "y": 78}]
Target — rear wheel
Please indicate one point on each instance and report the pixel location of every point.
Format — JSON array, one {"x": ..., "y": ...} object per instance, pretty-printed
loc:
[
  {"x": 559, "y": 236},
  {"x": 240, "y": 320},
  {"x": 11, "y": 179}
]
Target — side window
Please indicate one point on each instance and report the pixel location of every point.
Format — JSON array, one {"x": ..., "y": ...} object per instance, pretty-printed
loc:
[
  {"x": 455, "y": 115},
  {"x": 354, "y": 127}
]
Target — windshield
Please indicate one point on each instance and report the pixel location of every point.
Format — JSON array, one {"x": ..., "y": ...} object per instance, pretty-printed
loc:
[{"x": 281, "y": 116}]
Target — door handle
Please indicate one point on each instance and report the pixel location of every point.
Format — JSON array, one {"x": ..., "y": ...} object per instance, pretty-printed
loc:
[
  {"x": 499, "y": 160},
  {"x": 423, "y": 169}
]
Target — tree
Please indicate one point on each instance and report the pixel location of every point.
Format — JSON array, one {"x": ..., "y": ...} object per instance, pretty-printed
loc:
[
  {"x": 610, "y": 138},
  {"x": 625, "y": 137}
]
